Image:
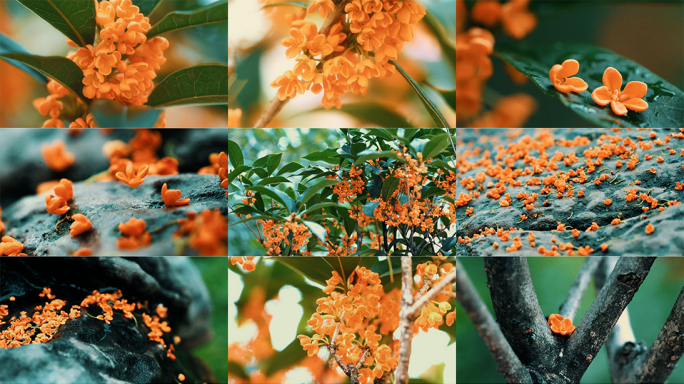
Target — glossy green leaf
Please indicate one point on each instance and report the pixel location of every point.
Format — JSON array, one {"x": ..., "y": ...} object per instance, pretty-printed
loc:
[
  {"x": 312, "y": 190},
  {"x": 213, "y": 13},
  {"x": 201, "y": 84},
  {"x": 326, "y": 155},
  {"x": 237, "y": 171},
  {"x": 61, "y": 69},
  {"x": 376, "y": 114},
  {"x": 375, "y": 155},
  {"x": 435, "y": 146},
  {"x": 317, "y": 229},
  {"x": 290, "y": 167},
  {"x": 437, "y": 117},
  {"x": 449, "y": 95},
  {"x": 146, "y": 6},
  {"x": 389, "y": 186},
  {"x": 74, "y": 18},
  {"x": 434, "y": 191},
  {"x": 318, "y": 206},
  {"x": 278, "y": 196},
  {"x": 273, "y": 180},
  {"x": 369, "y": 208},
  {"x": 273, "y": 163},
  {"x": 374, "y": 187},
  {"x": 666, "y": 102},
  {"x": 235, "y": 154},
  {"x": 319, "y": 269},
  {"x": 294, "y": 3},
  {"x": 8, "y": 45},
  {"x": 112, "y": 114}
]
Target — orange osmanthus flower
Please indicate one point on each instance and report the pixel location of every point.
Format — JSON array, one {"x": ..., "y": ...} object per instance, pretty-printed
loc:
[
  {"x": 56, "y": 156},
  {"x": 83, "y": 252},
  {"x": 630, "y": 98},
  {"x": 65, "y": 189},
  {"x": 560, "y": 77},
  {"x": 133, "y": 179},
  {"x": 11, "y": 247},
  {"x": 134, "y": 235},
  {"x": 56, "y": 205},
  {"x": 81, "y": 225},
  {"x": 172, "y": 198},
  {"x": 560, "y": 325}
]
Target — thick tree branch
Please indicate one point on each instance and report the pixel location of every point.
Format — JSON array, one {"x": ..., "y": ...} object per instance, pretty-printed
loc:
[
  {"x": 662, "y": 357},
  {"x": 507, "y": 362},
  {"x": 405, "y": 323},
  {"x": 592, "y": 332},
  {"x": 518, "y": 312},
  {"x": 275, "y": 105},
  {"x": 572, "y": 302}
]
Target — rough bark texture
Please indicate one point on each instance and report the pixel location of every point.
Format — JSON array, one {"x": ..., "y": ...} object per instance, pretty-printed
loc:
[
  {"x": 658, "y": 363},
  {"x": 507, "y": 362},
  {"x": 572, "y": 302},
  {"x": 592, "y": 332},
  {"x": 520, "y": 316},
  {"x": 405, "y": 323}
]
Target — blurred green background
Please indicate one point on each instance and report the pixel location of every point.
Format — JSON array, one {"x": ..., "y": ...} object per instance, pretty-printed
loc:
[
  {"x": 552, "y": 278},
  {"x": 650, "y": 33},
  {"x": 214, "y": 272}
]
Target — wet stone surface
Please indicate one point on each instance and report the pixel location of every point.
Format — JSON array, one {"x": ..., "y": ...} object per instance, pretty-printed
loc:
[{"x": 629, "y": 238}]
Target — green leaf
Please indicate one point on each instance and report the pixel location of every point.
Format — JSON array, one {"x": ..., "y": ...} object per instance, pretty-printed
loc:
[
  {"x": 375, "y": 187},
  {"x": 375, "y": 155},
  {"x": 273, "y": 180},
  {"x": 389, "y": 186},
  {"x": 237, "y": 171},
  {"x": 312, "y": 190},
  {"x": 327, "y": 155},
  {"x": 318, "y": 206},
  {"x": 435, "y": 146},
  {"x": 319, "y": 269},
  {"x": 8, "y": 45},
  {"x": 317, "y": 229},
  {"x": 273, "y": 163},
  {"x": 369, "y": 208},
  {"x": 112, "y": 114},
  {"x": 666, "y": 102},
  {"x": 376, "y": 114},
  {"x": 235, "y": 154},
  {"x": 429, "y": 105},
  {"x": 449, "y": 95},
  {"x": 201, "y": 84},
  {"x": 61, "y": 69},
  {"x": 146, "y": 6},
  {"x": 74, "y": 18},
  {"x": 237, "y": 370},
  {"x": 278, "y": 196},
  {"x": 295, "y": 3},
  {"x": 213, "y": 13},
  {"x": 290, "y": 167},
  {"x": 434, "y": 191}
]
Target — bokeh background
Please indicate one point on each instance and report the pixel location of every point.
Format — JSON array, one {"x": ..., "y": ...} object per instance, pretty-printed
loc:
[
  {"x": 213, "y": 271},
  {"x": 552, "y": 277},
  {"x": 188, "y": 47},
  {"x": 256, "y": 58},
  {"x": 650, "y": 33}
]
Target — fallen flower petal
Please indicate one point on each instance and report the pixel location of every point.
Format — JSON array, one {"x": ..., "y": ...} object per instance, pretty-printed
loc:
[
  {"x": 56, "y": 156},
  {"x": 561, "y": 80},
  {"x": 56, "y": 205},
  {"x": 171, "y": 197},
  {"x": 81, "y": 225}
]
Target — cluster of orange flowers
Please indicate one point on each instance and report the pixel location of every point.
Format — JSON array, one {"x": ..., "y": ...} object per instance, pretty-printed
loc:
[
  {"x": 368, "y": 312},
  {"x": 246, "y": 262},
  {"x": 57, "y": 205},
  {"x": 355, "y": 50},
  {"x": 276, "y": 234},
  {"x": 431, "y": 314},
  {"x": 208, "y": 232},
  {"x": 474, "y": 66},
  {"x": 120, "y": 66}
]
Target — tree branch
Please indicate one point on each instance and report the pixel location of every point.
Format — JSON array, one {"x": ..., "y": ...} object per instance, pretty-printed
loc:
[
  {"x": 592, "y": 332},
  {"x": 662, "y": 357},
  {"x": 405, "y": 323},
  {"x": 572, "y": 302},
  {"x": 507, "y": 362},
  {"x": 275, "y": 105},
  {"x": 518, "y": 312},
  {"x": 431, "y": 294}
]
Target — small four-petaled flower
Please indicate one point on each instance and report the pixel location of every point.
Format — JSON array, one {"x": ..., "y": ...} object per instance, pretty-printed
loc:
[
  {"x": 81, "y": 225},
  {"x": 171, "y": 197},
  {"x": 560, "y": 77},
  {"x": 133, "y": 179},
  {"x": 630, "y": 98},
  {"x": 560, "y": 325}
]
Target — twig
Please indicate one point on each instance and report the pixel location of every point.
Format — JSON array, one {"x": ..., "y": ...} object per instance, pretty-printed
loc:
[
  {"x": 507, "y": 362},
  {"x": 405, "y": 323},
  {"x": 449, "y": 293},
  {"x": 569, "y": 307},
  {"x": 275, "y": 105},
  {"x": 517, "y": 310},
  {"x": 592, "y": 332},
  {"x": 431, "y": 294},
  {"x": 667, "y": 349}
]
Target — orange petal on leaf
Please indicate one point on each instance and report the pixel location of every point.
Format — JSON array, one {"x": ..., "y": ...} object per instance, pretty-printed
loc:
[
  {"x": 634, "y": 90},
  {"x": 612, "y": 79},
  {"x": 618, "y": 108},
  {"x": 601, "y": 95},
  {"x": 576, "y": 84},
  {"x": 570, "y": 67},
  {"x": 636, "y": 104}
]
